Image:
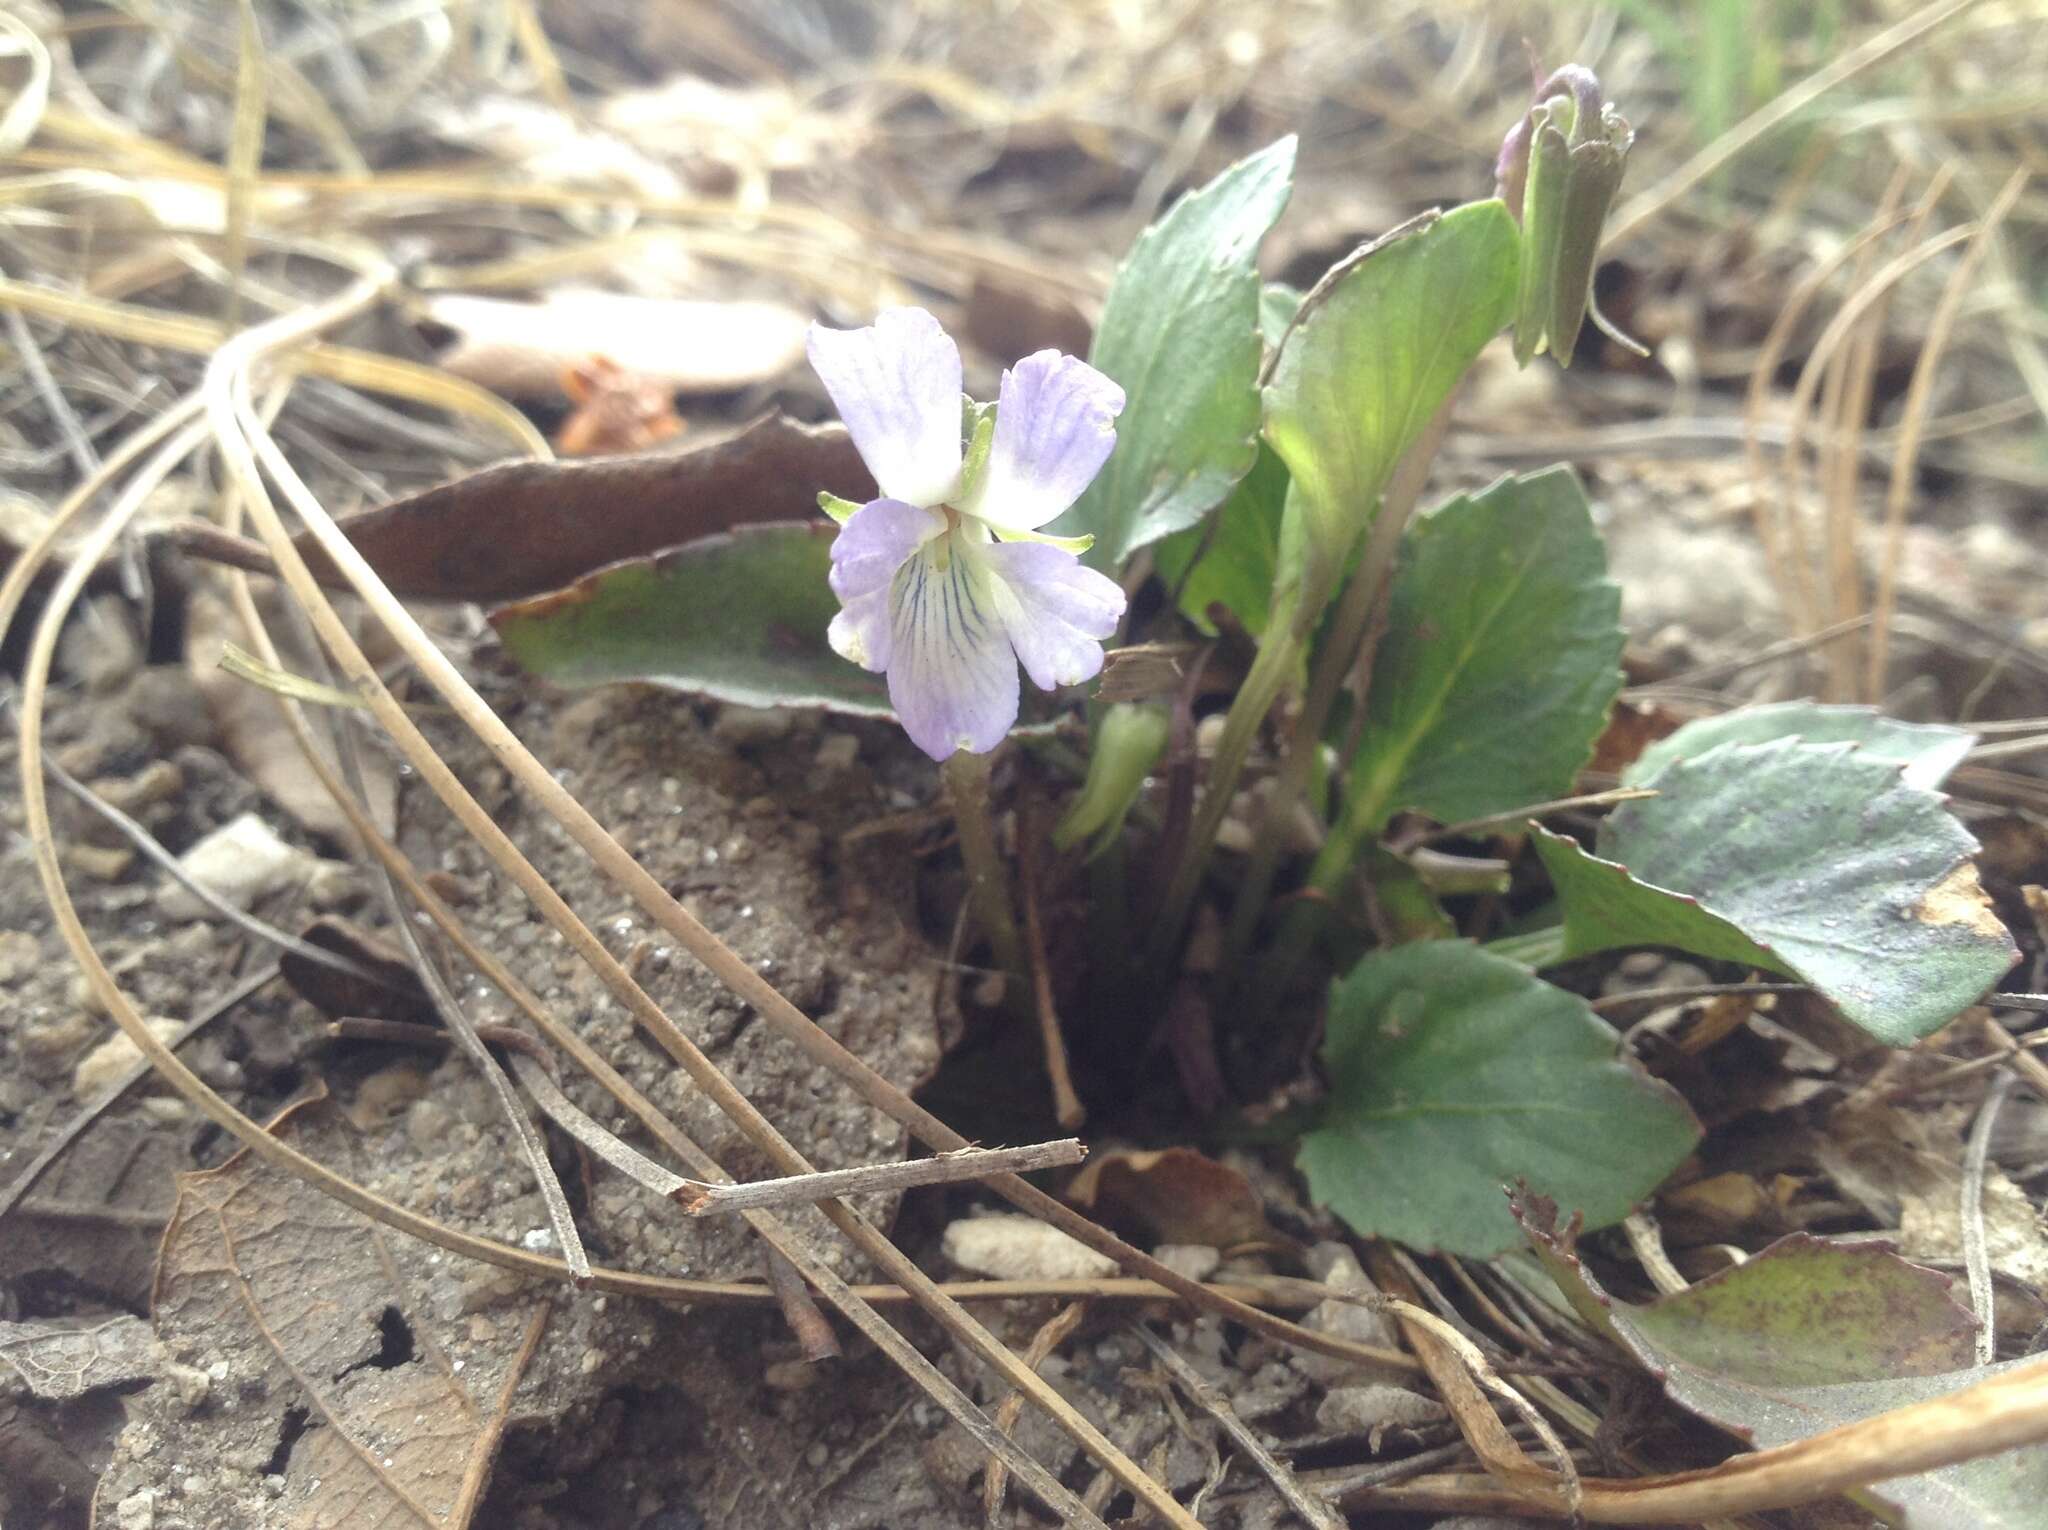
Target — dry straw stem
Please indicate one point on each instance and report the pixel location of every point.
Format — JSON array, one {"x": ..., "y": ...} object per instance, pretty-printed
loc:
[
  {"x": 1838, "y": 350},
  {"x": 700, "y": 1198},
  {"x": 1919, "y": 391},
  {"x": 1837, "y": 331},
  {"x": 242, "y": 440},
  {"x": 1054, "y": 1332},
  {"x": 1313, "y": 1510},
  {"x": 338, "y": 363},
  {"x": 1852, "y": 380},
  {"x": 2002, "y": 1413}
]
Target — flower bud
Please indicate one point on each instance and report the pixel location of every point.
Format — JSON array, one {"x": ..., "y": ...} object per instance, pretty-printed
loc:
[
  {"x": 1128, "y": 742},
  {"x": 1558, "y": 171}
]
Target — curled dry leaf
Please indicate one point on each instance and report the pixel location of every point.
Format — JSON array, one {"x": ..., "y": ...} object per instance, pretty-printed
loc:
[
  {"x": 525, "y": 528},
  {"x": 616, "y": 410},
  {"x": 1173, "y": 1195},
  {"x": 320, "y": 1355},
  {"x": 400, "y": 996},
  {"x": 522, "y": 349},
  {"x": 1143, "y": 671}
]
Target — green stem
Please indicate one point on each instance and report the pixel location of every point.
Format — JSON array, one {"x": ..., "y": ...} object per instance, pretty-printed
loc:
[
  {"x": 1354, "y": 611},
  {"x": 1360, "y": 819},
  {"x": 988, "y": 879},
  {"x": 1262, "y": 687},
  {"x": 1350, "y": 642}
]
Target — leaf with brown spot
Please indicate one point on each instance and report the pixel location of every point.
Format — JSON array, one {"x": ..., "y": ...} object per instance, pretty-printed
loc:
[
  {"x": 1959, "y": 898},
  {"x": 1176, "y": 1195},
  {"x": 303, "y": 1302},
  {"x": 1823, "y": 861},
  {"x": 523, "y": 528}
]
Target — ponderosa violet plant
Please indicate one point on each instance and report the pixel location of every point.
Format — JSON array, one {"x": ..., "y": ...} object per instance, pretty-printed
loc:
[{"x": 1333, "y": 711}]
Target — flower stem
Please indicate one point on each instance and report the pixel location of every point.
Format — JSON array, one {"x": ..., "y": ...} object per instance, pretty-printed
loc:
[
  {"x": 1268, "y": 676},
  {"x": 1354, "y": 637},
  {"x": 988, "y": 879}
]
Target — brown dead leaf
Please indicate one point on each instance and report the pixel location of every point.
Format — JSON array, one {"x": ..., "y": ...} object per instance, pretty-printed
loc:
[
  {"x": 525, "y": 528},
  {"x": 1904, "y": 1167},
  {"x": 59, "y": 1361},
  {"x": 2012, "y": 848},
  {"x": 616, "y": 410},
  {"x": 1174, "y": 1195},
  {"x": 302, "y": 1303},
  {"x": 1007, "y": 317},
  {"x": 401, "y": 996},
  {"x": 100, "y": 1209},
  {"x": 520, "y": 350},
  {"x": 1632, "y": 727},
  {"x": 1143, "y": 670}
]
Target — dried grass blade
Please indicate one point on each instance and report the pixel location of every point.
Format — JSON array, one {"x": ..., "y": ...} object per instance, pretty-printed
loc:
[{"x": 1899, "y": 492}]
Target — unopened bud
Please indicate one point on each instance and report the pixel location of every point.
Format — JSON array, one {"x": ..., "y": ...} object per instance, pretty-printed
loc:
[
  {"x": 1558, "y": 171},
  {"x": 1128, "y": 742}
]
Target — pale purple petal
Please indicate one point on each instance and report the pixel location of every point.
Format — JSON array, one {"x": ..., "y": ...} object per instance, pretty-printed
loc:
[
  {"x": 896, "y": 384},
  {"x": 952, "y": 676},
  {"x": 876, "y": 541},
  {"x": 1055, "y": 427},
  {"x": 1055, "y": 610}
]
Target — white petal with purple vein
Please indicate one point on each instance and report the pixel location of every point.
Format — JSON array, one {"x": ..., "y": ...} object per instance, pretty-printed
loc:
[
  {"x": 896, "y": 384},
  {"x": 876, "y": 541},
  {"x": 952, "y": 674},
  {"x": 1055, "y": 611},
  {"x": 1055, "y": 427}
]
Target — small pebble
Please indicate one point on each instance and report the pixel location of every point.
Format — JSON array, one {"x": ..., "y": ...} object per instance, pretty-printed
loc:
[
  {"x": 106, "y": 1064},
  {"x": 1196, "y": 1261},
  {"x": 100, "y": 863},
  {"x": 838, "y": 751},
  {"x": 49, "y": 1046},
  {"x": 1372, "y": 1410},
  {"x": 20, "y": 954},
  {"x": 741, "y": 726},
  {"x": 1010, "y": 1247},
  {"x": 240, "y": 862}
]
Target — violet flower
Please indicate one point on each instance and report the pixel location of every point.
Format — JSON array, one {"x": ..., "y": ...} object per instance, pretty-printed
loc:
[{"x": 944, "y": 583}]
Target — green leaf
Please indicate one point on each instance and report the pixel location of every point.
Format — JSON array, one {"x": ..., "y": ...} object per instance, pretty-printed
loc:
[
  {"x": 1180, "y": 332},
  {"x": 1805, "y": 1337},
  {"x": 1230, "y": 561},
  {"x": 1501, "y": 658},
  {"x": 1928, "y": 751},
  {"x": 1452, "y": 1075},
  {"x": 1278, "y": 304},
  {"x": 1810, "y": 859},
  {"x": 1376, "y": 349},
  {"x": 740, "y": 617},
  {"x": 1605, "y": 907}
]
